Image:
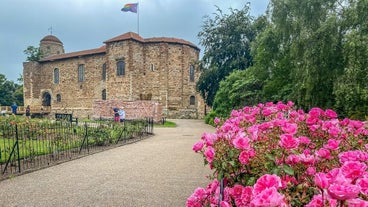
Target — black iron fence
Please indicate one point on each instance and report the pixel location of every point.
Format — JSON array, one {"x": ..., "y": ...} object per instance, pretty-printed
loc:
[{"x": 29, "y": 146}]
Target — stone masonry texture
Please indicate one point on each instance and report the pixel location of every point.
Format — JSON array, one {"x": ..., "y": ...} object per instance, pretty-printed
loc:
[{"x": 156, "y": 78}]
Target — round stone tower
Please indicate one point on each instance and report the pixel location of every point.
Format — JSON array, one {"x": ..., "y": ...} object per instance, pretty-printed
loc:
[{"x": 51, "y": 45}]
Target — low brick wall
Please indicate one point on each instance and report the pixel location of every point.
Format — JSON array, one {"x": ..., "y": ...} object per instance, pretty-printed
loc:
[{"x": 133, "y": 109}]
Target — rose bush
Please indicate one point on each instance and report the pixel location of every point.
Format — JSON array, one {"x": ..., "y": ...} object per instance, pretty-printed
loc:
[{"x": 276, "y": 155}]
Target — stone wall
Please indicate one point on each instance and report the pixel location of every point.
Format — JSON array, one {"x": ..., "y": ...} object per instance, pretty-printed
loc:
[
  {"x": 133, "y": 109},
  {"x": 154, "y": 71}
]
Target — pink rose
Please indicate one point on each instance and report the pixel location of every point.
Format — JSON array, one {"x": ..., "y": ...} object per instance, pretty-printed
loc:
[
  {"x": 307, "y": 159},
  {"x": 216, "y": 121},
  {"x": 236, "y": 191},
  {"x": 354, "y": 155},
  {"x": 290, "y": 128},
  {"x": 334, "y": 131},
  {"x": 324, "y": 153},
  {"x": 357, "y": 203},
  {"x": 353, "y": 169},
  {"x": 244, "y": 158},
  {"x": 363, "y": 184},
  {"x": 316, "y": 202},
  {"x": 208, "y": 138},
  {"x": 198, "y": 146},
  {"x": 321, "y": 180},
  {"x": 268, "y": 197},
  {"x": 241, "y": 142},
  {"x": 225, "y": 204},
  {"x": 343, "y": 192},
  {"x": 287, "y": 141},
  {"x": 209, "y": 153},
  {"x": 332, "y": 144},
  {"x": 311, "y": 171},
  {"x": 316, "y": 112},
  {"x": 266, "y": 112},
  {"x": 266, "y": 181},
  {"x": 304, "y": 140},
  {"x": 331, "y": 114},
  {"x": 246, "y": 195}
]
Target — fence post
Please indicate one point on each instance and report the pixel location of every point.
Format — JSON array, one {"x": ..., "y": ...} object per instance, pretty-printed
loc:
[
  {"x": 17, "y": 137},
  {"x": 221, "y": 196}
]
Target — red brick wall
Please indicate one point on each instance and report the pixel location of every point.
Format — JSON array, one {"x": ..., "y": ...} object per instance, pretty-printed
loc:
[{"x": 133, "y": 109}]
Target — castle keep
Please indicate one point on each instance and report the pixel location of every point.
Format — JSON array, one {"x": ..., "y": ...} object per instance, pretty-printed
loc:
[{"x": 157, "y": 75}]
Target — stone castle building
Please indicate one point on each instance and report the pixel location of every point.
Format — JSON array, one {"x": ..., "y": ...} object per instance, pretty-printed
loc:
[{"x": 154, "y": 74}]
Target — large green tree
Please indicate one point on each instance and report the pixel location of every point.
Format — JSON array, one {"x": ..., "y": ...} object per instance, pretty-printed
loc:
[
  {"x": 226, "y": 39},
  {"x": 10, "y": 92},
  {"x": 351, "y": 89},
  {"x": 312, "y": 52},
  {"x": 303, "y": 54}
]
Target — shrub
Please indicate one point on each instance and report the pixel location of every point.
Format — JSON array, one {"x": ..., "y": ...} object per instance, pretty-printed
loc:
[{"x": 276, "y": 155}]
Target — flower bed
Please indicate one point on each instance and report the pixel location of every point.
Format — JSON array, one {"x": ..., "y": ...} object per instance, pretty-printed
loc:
[{"x": 275, "y": 155}]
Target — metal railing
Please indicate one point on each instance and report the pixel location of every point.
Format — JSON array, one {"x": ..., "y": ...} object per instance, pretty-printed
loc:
[{"x": 27, "y": 147}]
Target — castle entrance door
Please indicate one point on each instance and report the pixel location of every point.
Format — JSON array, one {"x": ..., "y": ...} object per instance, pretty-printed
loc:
[{"x": 46, "y": 99}]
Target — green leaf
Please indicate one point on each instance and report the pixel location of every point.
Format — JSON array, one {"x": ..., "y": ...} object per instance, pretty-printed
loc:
[
  {"x": 270, "y": 157},
  {"x": 251, "y": 181},
  {"x": 288, "y": 170}
]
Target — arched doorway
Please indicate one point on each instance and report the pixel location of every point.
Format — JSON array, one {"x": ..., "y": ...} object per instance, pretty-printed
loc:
[{"x": 46, "y": 99}]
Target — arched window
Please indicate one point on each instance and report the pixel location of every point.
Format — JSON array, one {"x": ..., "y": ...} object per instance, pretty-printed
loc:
[
  {"x": 192, "y": 100},
  {"x": 80, "y": 73},
  {"x": 191, "y": 73},
  {"x": 104, "y": 94},
  {"x": 58, "y": 98},
  {"x": 120, "y": 68},
  {"x": 56, "y": 75},
  {"x": 104, "y": 71},
  {"x": 152, "y": 66}
]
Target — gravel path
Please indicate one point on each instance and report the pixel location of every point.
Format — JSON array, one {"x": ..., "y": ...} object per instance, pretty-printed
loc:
[{"x": 156, "y": 172}]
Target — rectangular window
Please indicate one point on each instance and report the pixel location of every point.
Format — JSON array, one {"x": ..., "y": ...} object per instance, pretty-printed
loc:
[
  {"x": 120, "y": 68},
  {"x": 80, "y": 73},
  {"x": 104, "y": 71},
  {"x": 56, "y": 75},
  {"x": 191, "y": 73}
]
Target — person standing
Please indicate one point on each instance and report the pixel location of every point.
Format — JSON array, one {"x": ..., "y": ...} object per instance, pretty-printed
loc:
[
  {"x": 122, "y": 114},
  {"x": 14, "y": 108},
  {"x": 116, "y": 114},
  {"x": 28, "y": 111}
]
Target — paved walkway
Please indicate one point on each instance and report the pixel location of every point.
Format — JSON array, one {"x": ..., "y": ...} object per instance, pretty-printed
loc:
[{"x": 156, "y": 172}]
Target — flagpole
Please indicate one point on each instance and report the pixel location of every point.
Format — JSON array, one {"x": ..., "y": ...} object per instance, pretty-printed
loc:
[{"x": 138, "y": 16}]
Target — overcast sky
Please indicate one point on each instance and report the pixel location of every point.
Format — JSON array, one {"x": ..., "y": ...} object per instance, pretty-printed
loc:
[{"x": 86, "y": 24}]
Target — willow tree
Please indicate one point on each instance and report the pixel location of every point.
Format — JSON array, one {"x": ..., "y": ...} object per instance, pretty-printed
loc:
[
  {"x": 351, "y": 89},
  {"x": 226, "y": 39}
]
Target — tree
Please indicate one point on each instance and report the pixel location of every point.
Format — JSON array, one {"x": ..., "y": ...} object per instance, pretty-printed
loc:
[
  {"x": 227, "y": 41},
  {"x": 300, "y": 52},
  {"x": 10, "y": 92},
  {"x": 351, "y": 89},
  {"x": 33, "y": 53},
  {"x": 241, "y": 88}
]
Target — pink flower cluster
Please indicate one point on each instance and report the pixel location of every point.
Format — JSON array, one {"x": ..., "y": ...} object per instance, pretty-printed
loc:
[{"x": 264, "y": 152}]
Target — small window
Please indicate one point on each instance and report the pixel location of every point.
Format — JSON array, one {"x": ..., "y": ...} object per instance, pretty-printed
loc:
[
  {"x": 120, "y": 65},
  {"x": 58, "y": 98},
  {"x": 192, "y": 100},
  {"x": 152, "y": 67},
  {"x": 104, "y": 71},
  {"x": 56, "y": 75},
  {"x": 104, "y": 94},
  {"x": 80, "y": 73},
  {"x": 191, "y": 73}
]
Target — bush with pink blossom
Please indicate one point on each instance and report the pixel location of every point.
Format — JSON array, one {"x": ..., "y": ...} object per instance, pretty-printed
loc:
[{"x": 276, "y": 155}]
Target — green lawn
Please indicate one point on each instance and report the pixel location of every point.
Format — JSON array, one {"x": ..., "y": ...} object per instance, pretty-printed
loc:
[{"x": 166, "y": 124}]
